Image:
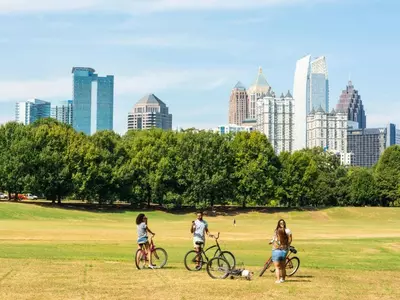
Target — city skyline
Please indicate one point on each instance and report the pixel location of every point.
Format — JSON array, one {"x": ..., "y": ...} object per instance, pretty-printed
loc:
[{"x": 194, "y": 67}]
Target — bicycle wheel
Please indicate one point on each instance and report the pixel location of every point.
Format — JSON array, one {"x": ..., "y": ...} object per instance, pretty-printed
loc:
[
  {"x": 230, "y": 258},
  {"x": 193, "y": 261},
  {"x": 159, "y": 257},
  {"x": 140, "y": 259},
  {"x": 292, "y": 265},
  {"x": 266, "y": 266},
  {"x": 218, "y": 268}
]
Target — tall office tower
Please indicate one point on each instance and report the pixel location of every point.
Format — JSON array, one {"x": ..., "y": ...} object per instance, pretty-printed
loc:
[
  {"x": 31, "y": 110},
  {"x": 93, "y": 111},
  {"x": 258, "y": 90},
  {"x": 150, "y": 112},
  {"x": 397, "y": 136},
  {"x": 327, "y": 130},
  {"x": 301, "y": 92},
  {"x": 238, "y": 104},
  {"x": 63, "y": 112},
  {"x": 311, "y": 91},
  {"x": 319, "y": 84},
  {"x": 350, "y": 101},
  {"x": 368, "y": 144},
  {"x": 275, "y": 118}
]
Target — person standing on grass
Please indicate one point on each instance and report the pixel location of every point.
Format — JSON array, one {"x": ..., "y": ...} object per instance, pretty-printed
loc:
[
  {"x": 280, "y": 244},
  {"x": 143, "y": 240},
  {"x": 199, "y": 229}
]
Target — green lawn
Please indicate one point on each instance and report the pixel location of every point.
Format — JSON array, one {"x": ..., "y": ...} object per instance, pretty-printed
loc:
[{"x": 51, "y": 253}]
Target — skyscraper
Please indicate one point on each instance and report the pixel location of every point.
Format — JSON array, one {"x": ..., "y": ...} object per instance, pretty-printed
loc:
[
  {"x": 301, "y": 92},
  {"x": 93, "y": 111},
  {"x": 150, "y": 112},
  {"x": 350, "y": 102},
  {"x": 31, "y": 110},
  {"x": 275, "y": 118},
  {"x": 63, "y": 112},
  {"x": 238, "y": 110},
  {"x": 310, "y": 91},
  {"x": 258, "y": 90},
  {"x": 327, "y": 130},
  {"x": 367, "y": 145},
  {"x": 319, "y": 84}
]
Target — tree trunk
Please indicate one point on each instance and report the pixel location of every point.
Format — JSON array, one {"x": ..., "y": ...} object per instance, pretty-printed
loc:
[{"x": 59, "y": 199}]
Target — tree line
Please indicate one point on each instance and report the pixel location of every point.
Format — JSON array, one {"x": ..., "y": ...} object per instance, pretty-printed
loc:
[{"x": 186, "y": 168}]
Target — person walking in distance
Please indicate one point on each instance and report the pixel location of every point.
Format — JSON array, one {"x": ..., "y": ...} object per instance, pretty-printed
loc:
[
  {"x": 280, "y": 244},
  {"x": 199, "y": 228}
]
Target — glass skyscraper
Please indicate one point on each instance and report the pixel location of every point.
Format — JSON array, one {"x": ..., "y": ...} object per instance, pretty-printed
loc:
[
  {"x": 31, "y": 110},
  {"x": 350, "y": 102},
  {"x": 310, "y": 92},
  {"x": 86, "y": 103},
  {"x": 63, "y": 112}
]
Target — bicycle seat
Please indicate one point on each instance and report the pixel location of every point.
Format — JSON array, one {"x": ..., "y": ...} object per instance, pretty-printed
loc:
[
  {"x": 199, "y": 243},
  {"x": 292, "y": 249}
]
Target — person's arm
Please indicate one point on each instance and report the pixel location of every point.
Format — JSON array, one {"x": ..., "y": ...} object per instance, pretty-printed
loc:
[
  {"x": 148, "y": 230},
  {"x": 208, "y": 232},
  {"x": 290, "y": 239},
  {"x": 192, "y": 227}
]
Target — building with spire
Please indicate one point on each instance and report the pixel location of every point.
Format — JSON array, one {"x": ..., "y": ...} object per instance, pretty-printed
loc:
[
  {"x": 258, "y": 90},
  {"x": 311, "y": 91},
  {"x": 275, "y": 118},
  {"x": 238, "y": 102},
  {"x": 150, "y": 112},
  {"x": 350, "y": 102}
]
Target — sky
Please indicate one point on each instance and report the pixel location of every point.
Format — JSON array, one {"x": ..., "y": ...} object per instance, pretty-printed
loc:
[{"x": 191, "y": 53}]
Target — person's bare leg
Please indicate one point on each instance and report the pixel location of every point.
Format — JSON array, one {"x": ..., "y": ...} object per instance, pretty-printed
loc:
[
  {"x": 277, "y": 271},
  {"x": 284, "y": 270}
]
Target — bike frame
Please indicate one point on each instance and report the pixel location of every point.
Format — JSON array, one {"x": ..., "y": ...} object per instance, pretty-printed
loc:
[{"x": 203, "y": 252}]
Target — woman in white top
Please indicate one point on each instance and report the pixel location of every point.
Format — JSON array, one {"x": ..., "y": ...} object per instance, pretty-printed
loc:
[{"x": 280, "y": 244}]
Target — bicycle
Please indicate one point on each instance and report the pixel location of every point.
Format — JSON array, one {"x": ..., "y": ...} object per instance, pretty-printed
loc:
[
  {"x": 292, "y": 263},
  {"x": 194, "y": 260},
  {"x": 219, "y": 268},
  {"x": 159, "y": 256}
]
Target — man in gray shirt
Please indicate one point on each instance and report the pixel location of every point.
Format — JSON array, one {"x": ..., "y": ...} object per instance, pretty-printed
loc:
[{"x": 199, "y": 228}]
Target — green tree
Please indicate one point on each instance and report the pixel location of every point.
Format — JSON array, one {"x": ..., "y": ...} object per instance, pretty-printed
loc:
[
  {"x": 362, "y": 189},
  {"x": 387, "y": 174},
  {"x": 255, "y": 168},
  {"x": 52, "y": 174}
]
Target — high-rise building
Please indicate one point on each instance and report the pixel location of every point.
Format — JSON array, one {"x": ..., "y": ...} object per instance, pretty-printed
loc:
[
  {"x": 397, "y": 136},
  {"x": 31, "y": 110},
  {"x": 150, "y": 112},
  {"x": 368, "y": 144},
  {"x": 310, "y": 91},
  {"x": 258, "y": 90},
  {"x": 275, "y": 118},
  {"x": 327, "y": 130},
  {"x": 391, "y": 135},
  {"x": 93, "y": 111},
  {"x": 350, "y": 102},
  {"x": 319, "y": 84},
  {"x": 238, "y": 104},
  {"x": 233, "y": 128},
  {"x": 63, "y": 112}
]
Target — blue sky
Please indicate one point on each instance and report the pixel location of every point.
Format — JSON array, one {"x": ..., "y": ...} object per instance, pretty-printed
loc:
[{"x": 190, "y": 53}]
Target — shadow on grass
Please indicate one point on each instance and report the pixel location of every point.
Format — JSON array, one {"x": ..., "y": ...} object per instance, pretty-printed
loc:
[
  {"x": 294, "y": 280},
  {"x": 127, "y": 207},
  {"x": 303, "y": 276}
]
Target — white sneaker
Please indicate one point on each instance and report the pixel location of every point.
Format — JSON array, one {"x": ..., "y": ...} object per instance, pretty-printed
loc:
[
  {"x": 152, "y": 267},
  {"x": 278, "y": 281},
  {"x": 281, "y": 280}
]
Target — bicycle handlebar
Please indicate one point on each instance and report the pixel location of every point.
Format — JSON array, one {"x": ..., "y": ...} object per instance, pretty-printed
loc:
[{"x": 216, "y": 237}]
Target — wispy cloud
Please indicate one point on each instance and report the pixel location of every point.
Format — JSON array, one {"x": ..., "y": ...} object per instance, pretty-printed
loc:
[
  {"x": 147, "y": 82},
  {"x": 140, "y": 6}
]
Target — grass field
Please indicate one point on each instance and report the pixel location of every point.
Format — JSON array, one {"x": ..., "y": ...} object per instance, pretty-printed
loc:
[{"x": 51, "y": 253}]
